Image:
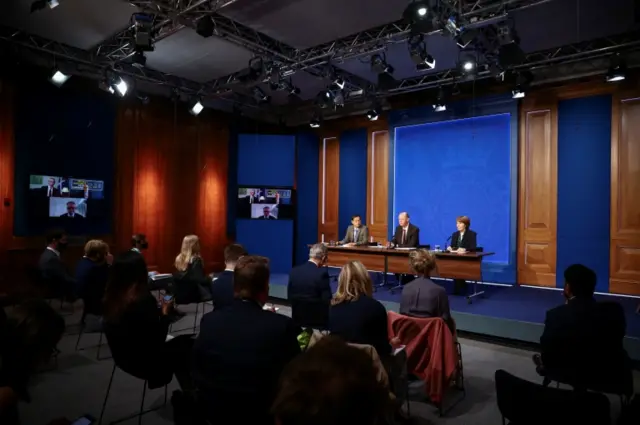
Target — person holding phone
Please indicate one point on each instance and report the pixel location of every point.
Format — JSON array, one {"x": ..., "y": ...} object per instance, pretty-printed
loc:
[{"x": 137, "y": 328}]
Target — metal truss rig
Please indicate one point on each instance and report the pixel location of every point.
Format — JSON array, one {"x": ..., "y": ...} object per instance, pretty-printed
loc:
[{"x": 572, "y": 53}]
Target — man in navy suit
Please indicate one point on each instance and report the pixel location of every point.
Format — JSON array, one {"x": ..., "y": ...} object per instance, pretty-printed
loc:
[
  {"x": 308, "y": 290},
  {"x": 242, "y": 350},
  {"x": 222, "y": 287}
]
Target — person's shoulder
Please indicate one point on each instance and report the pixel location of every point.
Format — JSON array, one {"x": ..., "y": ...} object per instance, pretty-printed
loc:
[{"x": 557, "y": 311}]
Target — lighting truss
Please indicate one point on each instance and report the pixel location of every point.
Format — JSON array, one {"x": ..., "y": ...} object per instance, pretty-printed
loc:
[{"x": 573, "y": 59}]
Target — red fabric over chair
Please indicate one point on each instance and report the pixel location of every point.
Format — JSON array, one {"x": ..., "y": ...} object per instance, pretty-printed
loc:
[{"x": 431, "y": 353}]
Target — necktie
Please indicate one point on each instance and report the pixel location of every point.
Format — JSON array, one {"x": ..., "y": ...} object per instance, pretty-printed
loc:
[
  {"x": 404, "y": 236},
  {"x": 49, "y": 193},
  {"x": 355, "y": 234}
]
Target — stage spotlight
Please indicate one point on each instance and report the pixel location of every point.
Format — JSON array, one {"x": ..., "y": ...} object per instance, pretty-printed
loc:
[
  {"x": 195, "y": 107},
  {"x": 418, "y": 16},
  {"x": 139, "y": 60},
  {"x": 440, "y": 105},
  {"x": 339, "y": 82},
  {"x": 617, "y": 69},
  {"x": 518, "y": 93},
  {"x": 41, "y": 4},
  {"x": 325, "y": 99},
  {"x": 205, "y": 27},
  {"x": 419, "y": 55},
  {"x": 468, "y": 66},
  {"x": 379, "y": 65},
  {"x": 260, "y": 96},
  {"x": 119, "y": 86},
  {"x": 142, "y": 32},
  {"x": 465, "y": 38},
  {"x": 316, "y": 120},
  {"x": 373, "y": 114},
  {"x": 59, "y": 78}
]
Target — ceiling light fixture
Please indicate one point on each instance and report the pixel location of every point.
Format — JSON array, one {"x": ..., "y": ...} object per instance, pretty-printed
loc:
[
  {"x": 58, "y": 78},
  {"x": 617, "y": 69},
  {"x": 196, "y": 107}
]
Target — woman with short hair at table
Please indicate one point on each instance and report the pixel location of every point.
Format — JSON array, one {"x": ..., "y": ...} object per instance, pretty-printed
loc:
[
  {"x": 354, "y": 315},
  {"x": 421, "y": 297},
  {"x": 463, "y": 240}
]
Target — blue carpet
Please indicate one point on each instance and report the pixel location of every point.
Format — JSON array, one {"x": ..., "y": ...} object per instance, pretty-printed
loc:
[{"x": 513, "y": 303}]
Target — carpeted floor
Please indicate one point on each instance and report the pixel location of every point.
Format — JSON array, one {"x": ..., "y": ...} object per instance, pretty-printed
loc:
[{"x": 77, "y": 385}]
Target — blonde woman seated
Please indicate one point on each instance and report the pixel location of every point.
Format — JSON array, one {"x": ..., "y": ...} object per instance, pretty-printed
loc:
[
  {"x": 421, "y": 297},
  {"x": 191, "y": 282},
  {"x": 354, "y": 315}
]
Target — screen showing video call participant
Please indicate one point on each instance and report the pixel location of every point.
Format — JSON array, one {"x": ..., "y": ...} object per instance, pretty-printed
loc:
[
  {"x": 266, "y": 214},
  {"x": 50, "y": 189},
  {"x": 71, "y": 211}
]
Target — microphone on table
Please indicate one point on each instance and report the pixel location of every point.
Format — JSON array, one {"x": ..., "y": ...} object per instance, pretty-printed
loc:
[{"x": 446, "y": 244}]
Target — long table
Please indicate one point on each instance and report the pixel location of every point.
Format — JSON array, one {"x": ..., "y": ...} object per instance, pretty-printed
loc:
[{"x": 449, "y": 265}]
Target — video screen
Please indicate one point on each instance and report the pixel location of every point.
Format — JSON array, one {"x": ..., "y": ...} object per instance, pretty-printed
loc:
[
  {"x": 66, "y": 197},
  {"x": 265, "y": 203}
]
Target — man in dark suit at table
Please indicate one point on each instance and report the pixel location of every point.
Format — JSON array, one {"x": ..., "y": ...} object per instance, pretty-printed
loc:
[
  {"x": 222, "y": 286},
  {"x": 407, "y": 235},
  {"x": 582, "y": 341},
  {"x": 242, "y": 350},
  {"x": 50, "y": 189},
  {"x": 309, "y": 289},
  {"x": 357, "y": 233},
  {"x": 463, "y": 240}
]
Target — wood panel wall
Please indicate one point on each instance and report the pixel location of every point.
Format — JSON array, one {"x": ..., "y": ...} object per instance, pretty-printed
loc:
[
  {"x": 624, "y": 275},
  {"x": 537, "y": 201},
  {"x": 170, "y": 181},
  {"x": 378, "y": 184},
  {"x": 328, "y": 192}
]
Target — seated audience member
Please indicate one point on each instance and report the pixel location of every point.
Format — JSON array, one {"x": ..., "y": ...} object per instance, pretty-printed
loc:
[
  {"x": 190, "y": 272},
  {"x": 92, "y": 273},
  {"x": 354, "y": 315},
  {"x": 28, "y": 338},
  {"x": 222, "y": 287},
  {"x": 332, "y": 384},
  {"x": 52, "y": 269},
  {"x": 242, "y": 349},
  {"x": 139, "y": 244},
  {"x": 421, "y": 297},
  {"x": 310, "y": 281},
  {"x": 136, "y": 328},
  {"x": 582, "y": 339}
]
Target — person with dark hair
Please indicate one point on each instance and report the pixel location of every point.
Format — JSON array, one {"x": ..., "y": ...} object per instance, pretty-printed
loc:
[
  {"x": 242, "y": 349},
  {"x": 357, "y": 233},
  {"x": 139, "y": 243},
  {"x": 28, "y": 339},
  {"x": 222, "y": 286},
  {"x": 52, "y": 270},
  {"x": 582, "y": 333},
  {"x": 332, "y": 384},
  {"x": 136, "y": 328},
  {"x": 463, "y": 240}
]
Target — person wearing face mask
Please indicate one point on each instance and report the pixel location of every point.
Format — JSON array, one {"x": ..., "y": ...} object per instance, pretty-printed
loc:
[{"x": 52, "y": 270}]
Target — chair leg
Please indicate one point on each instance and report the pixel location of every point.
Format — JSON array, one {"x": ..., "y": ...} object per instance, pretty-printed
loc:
[
  {"x": 144, "y": 393},
  {"x": 80, "y": 334},
  {"x": 195, "y": 318},
  {"x": 99, "y": 346},
  {"x": 166, "y": 389},
  {"x": 106, "y": 397}
]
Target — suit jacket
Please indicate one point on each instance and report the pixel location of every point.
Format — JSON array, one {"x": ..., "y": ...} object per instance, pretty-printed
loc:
[
  {"x": 469, "y": 240},
  {"x": 238, "y": 358},
  {"x": 191, "y": 285},
  {"x": 262, "y": 217},
  {"x": 54, "y": 273},
  {"x": 76, "y": 216},
  {"x": 91, "y": 282},
  {"x": 363, "y": 236},
  {"x": 222, "y": 290},
  {"x": 582, "y": 335},
  {"x": 308, "y": 281},
  {"x": 363, "y": 321},
  {"x": 423, "y": 298},
  {"x": 55, "y": 191},
  {"x": 413, "y": 237}
]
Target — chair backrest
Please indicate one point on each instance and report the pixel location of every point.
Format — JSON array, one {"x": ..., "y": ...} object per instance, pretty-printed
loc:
[
  {"x": 310, "y": 313},
  {"x": 526, "y": 403},
  {"x": 185, "y": 289}
]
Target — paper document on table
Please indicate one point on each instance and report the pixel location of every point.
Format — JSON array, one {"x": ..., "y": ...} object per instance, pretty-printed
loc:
[
  {"x": 161, "y": 276},
  {"x": 376, "y": 246},
  {"x": 405, "y": 249}
]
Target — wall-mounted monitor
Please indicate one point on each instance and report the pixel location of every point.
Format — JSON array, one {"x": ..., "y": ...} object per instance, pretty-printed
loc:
[{"x": 266, "y": 203}]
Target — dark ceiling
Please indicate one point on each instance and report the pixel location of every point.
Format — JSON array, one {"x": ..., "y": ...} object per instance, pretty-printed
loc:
[{"x": 290, "y": 32}]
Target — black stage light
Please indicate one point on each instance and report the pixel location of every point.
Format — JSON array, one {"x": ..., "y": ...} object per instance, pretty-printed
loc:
[
  {"x": 379, "y": 65},
  {"x": 617, "y": 69},
  {"x": 195, "y": 107},
  {"x": 417, "y": 14},
  {"x": 260, "y": 95},
  {"x": 440, "y": 105},
  {"x": 205, "y": 26},
  {"x": 139, "y": 60},
  {"x": 41, "y": 4},
  {"x": 142, "y": 32},
  {"x": 418, "y": 52}
]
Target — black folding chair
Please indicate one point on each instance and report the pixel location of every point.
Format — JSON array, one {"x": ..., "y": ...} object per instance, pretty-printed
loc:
[
  {"x": 525, "y": 403},
  {"x": 308, "y": 313}
]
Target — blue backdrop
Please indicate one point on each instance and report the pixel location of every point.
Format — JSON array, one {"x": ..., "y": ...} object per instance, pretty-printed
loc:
[
  {"x": 447, "y": 164},
  {"x": 62, "y": 132},
  {"x": 584, "y": 186},
  {"x": 267, "y": 160},
  {"x": 352, "y": 198},
  {"x": 307, "y": 154}
]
